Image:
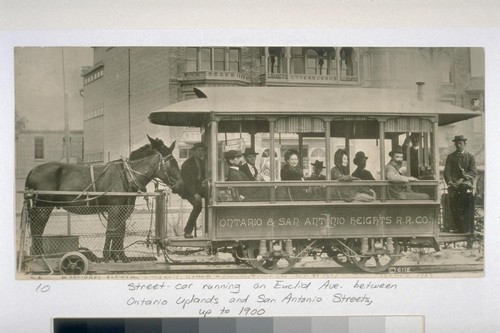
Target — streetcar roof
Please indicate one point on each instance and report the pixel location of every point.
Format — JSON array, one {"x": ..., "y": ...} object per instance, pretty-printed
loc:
[{"x": 300, "y": 100}]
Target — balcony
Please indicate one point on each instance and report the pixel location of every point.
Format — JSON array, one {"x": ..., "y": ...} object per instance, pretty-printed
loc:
[
  {"x": 284, "y": 79},
  {"x": 214, "y": 77}
]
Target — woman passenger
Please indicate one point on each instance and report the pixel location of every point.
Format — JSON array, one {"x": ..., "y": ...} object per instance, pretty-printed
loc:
[
  {"x": 340, "y": 172},
  {"x": 293, "y": 171}
]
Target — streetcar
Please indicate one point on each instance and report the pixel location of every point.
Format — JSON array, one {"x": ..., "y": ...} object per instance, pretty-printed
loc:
[{"x": 275, "y": 229}]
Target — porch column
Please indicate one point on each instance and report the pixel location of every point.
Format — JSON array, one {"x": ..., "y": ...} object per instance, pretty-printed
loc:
[
  {"x": 213, "y": 154},
  {"x": 435, "y": 154},
  {"x": 327, "y": 158},
  {"x": 288, "y": 56},
  {"x": 266, "y": 60},
  {"x": 381, "y": 137},
  {"x": 272, "y": 160}
]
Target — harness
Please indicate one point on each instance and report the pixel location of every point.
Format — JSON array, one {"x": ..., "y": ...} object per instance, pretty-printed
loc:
[{"x": 130, "y": 174}]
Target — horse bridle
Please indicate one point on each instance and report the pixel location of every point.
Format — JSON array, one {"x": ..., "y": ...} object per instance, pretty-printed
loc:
[{"x": 162, "y": 164}]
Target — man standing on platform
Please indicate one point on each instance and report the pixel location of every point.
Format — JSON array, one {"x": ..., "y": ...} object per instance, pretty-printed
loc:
[
  {"x": 249, "y": 168},
  {"x": 193, "y": 174},
  {"x": 459, "y": 174}
]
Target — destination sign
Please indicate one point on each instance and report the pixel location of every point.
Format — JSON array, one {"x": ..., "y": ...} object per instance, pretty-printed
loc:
[{"x": 325, "y": 221}]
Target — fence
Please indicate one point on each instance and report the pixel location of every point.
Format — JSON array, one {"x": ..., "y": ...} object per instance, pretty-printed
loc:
[{"x": 84, "y": 228}]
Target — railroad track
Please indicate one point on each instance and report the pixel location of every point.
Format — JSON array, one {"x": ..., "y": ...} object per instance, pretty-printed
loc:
[{"x": 233, "y": 269}]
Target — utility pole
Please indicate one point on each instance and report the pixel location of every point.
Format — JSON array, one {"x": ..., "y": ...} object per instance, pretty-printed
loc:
[{"x": 66, "y": 130}]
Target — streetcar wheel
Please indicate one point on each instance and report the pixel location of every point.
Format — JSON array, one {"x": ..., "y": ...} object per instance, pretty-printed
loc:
[
  {"x": 74, "y": 263},
  {"x": 272, "y": 265},
  {"x": 338, "y": 256},
  {"x": 373, "y": 263}
]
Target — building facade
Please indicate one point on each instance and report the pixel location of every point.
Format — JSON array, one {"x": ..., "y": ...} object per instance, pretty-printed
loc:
[
  {"x": 126, "y": 84},
  {"x": 34, "y": 147}
]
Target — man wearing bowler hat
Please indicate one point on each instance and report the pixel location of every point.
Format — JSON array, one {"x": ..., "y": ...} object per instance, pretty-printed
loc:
[
  {"x": 360, "y": 172},
  {"x": 399, "y": 189},
  {"x": 317, "y": 170},
  {"x": 234, "y": 161},
  {"x": 249, "y": 168},
  {"x": 459, "y": 174},
  {"x": 193, "y": 174}
]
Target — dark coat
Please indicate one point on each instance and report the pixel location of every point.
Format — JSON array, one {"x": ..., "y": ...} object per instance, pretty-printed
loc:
[
  {"x": 460, "y": 167},
  {"x": 249, "y": 194},
  {"x": 245, "y": 168},
  {"x": 236, "y": 175},
  {"x": 363, "y": 174},
  {"x": 317, "y": 177},
  {"x": 290, "y": 173},
  {"x": 192, "y": 177}
]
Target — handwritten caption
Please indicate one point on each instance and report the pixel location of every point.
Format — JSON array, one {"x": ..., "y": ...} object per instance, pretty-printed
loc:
[{"x": 215, "y": 299}]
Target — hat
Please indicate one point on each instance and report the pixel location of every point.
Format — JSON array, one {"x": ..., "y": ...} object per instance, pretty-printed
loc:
[
  {"x": 396, "y": 150},
  {"x": 318, "y": 164},
  {"x": 459, "y": 138},
  {"x": 359, "y": 156},
  {"x": 249, "y": 151},
  {"x": 198, "y": 145},
  {"x": 229, "y": 155}
]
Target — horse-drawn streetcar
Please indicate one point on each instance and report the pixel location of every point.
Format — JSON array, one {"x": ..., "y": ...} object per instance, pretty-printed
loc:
[{"x": 272, "y": 223}]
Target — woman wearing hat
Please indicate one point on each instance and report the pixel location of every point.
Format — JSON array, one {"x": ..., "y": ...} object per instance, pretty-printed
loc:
[
  {"x": 340, "y": 172},
  {"x": 292, "y": 171}
]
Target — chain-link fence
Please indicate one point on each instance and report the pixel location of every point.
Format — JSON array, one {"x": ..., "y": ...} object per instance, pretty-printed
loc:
[{"x": 85, "y": 228}]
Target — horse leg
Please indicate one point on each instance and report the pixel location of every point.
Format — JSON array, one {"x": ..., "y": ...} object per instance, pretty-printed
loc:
[
  {"x": 122, "y": 217},
  {"x": 106, "y": 252},
  {"x": 115, "y": 233},
  {"x": 38, "y": 217}
]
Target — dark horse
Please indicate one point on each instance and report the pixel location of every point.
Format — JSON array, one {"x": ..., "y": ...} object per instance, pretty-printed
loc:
[{"x": 151, "y": 161}]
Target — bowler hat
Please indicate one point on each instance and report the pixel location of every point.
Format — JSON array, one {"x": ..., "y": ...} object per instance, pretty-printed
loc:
[
  {"x": 249, "y": 151},
  {"x": 459, "y": 138},
  {"x": 198, "y": 145},
  {"x": 318, "y": 164},
  {"x": 232, "y": 154},
  {"x": 360, "y": 155},
  {"x": 396, "y": 150}
]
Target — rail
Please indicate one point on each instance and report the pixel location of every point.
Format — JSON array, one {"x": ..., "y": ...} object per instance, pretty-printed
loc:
[
  {"x": 88, "y": 193},
  {"x": 322, "y": 190}
]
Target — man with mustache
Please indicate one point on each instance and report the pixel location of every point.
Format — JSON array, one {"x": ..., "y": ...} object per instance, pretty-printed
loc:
[
  {"x": 459, "y": 174},
  {"x": 399, "y": 189},
  {"x": 234, "y": 160}
]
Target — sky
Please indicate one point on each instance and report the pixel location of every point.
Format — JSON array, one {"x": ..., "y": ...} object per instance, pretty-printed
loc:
[{"x": 39, "y": 93}]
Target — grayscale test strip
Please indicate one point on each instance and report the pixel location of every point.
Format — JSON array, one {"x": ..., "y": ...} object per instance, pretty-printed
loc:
[{"x": 335, "y": 324}]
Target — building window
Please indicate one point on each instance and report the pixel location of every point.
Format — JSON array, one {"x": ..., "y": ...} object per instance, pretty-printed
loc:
[
  {"x": 92, "y": 77},
  {"x": 234, "y": 60},
  {"x": 275, "y": 60},
  {"x": 312, "y": 62},
  {"x": 184, "y": 153},
  {"x": 94, "y": 157},
  {"x": 347, "y": 61},
  {"x": 191, "y": 59},
  {"x": 217, "y": 59},
  {"x": 93, "y": 113},
  {"x": 39, "y": 149},
  {"x": 297, "y": 61},
  {"x": 318, "y": 154},
  {"x": 446, "y": 69}
]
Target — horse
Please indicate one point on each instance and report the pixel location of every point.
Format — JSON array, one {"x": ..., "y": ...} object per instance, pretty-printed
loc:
[{"x": 153, "y": 160}]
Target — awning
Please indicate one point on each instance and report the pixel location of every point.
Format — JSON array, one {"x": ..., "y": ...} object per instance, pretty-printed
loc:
[{"x": 299, "y": 101}]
